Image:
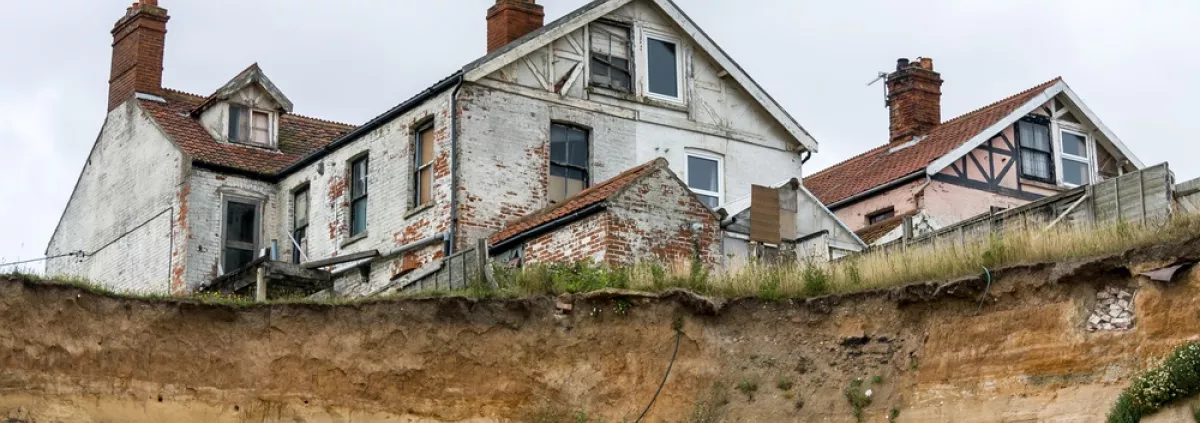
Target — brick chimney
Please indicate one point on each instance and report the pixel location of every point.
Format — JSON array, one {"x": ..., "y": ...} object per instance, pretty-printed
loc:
[
  {"x": 509, "y": 20},
  {"x": 915, "y": 99},
  {"x": 137, "y": 60}
]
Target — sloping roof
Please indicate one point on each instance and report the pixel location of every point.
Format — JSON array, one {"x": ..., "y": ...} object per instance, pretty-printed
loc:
[
  {"x": 593, "y": 195},
  {"x": 880, "y": 165},
  {"x": 873, "y": 233},
  {"x": 250, "y": 75},
  {"x": 298, "y": 136}
]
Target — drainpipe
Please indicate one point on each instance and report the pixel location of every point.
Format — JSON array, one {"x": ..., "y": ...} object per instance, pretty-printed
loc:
[{"x": 452, "y": 233}]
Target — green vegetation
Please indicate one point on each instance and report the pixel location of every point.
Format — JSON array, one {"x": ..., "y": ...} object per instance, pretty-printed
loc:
[
  {"x": 784, "y": 383},
  {"x": 893, "y": 414},
  {"x": 1196, "y": 413},
  {"x": 877, "y": 379},
  {"x": 708, "y": 409},
  {"x": 857, "y": 397},
  {"x": 748, "y": 387},
  {"x": 1176, "y": 378}
]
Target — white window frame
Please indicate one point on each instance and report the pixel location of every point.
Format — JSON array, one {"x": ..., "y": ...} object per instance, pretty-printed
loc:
[
  {"x": 644, "y": 70},
  {"x": 720, "y": 192},
  {"x": 272, "y": 127},
  {"x": 1062, "y": 155}
]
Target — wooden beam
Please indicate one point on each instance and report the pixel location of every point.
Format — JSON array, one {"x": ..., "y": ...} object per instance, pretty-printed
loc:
[
  {"x": 340, "y": 259},
  {"x": 295, "y": 271}
]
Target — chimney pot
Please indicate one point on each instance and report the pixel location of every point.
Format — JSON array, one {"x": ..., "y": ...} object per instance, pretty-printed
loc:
[
  {"x": 509, "y": 20},
  {"x": 137, "y": 57},
  {"x": 914, "y": 99}
]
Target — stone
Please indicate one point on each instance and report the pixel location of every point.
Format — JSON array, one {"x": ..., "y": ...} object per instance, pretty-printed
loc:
[
  {"x": 1107, "y": 326},
  {"x": 1105, "y": 317},
  {"x": 1124, "y": 294},
  {"x": 1103, "y": 295},
  {"x": 1115, "y": 312},
  {"x": 1123, "y": 303},
  {"x": 1094, "y": 319}
]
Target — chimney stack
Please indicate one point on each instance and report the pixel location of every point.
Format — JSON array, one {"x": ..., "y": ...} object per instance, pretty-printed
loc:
[
  {"x": 137, "y": 60},
  {"x": 914, "y": 99},
  {"x": 509, "y": 20}
]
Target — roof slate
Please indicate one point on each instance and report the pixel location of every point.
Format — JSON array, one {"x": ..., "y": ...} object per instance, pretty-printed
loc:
[
  {"x": 593, "y": 195},
  {"x": 298, "y": 136},
  {"x": 880, "y": 166}
]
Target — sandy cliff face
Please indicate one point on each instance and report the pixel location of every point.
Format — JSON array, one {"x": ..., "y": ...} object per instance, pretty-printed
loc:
[{"x": 935, "y": 353}]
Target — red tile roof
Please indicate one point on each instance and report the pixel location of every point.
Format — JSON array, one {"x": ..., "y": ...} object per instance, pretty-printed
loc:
[
  {"x": 585, "y": 198},
  {"x": 879, "y": 166},
  {"x": 872, "y": 233},
  {"x": 298, "y": 136}
]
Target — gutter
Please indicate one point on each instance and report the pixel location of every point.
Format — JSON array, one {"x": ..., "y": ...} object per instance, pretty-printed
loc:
[
  {"x": 453, "y": 230},
  {"x": 547, "y": 227},
  {"x": 373, "y": 124},
  {"x": 856, "y": 197}
]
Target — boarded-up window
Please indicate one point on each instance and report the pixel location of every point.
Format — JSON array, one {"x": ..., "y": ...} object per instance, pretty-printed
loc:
[
  {"x": 611, "y": 65},
  {"x": 423, "y": 164},
  {"x": 568, "y": 161},
  {"x": 1037, "y": 160},
  {"x": 261, "y": 128}
]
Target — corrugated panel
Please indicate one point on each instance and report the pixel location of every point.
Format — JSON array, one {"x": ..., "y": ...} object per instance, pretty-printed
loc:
[{"x": 764, "y": 215}]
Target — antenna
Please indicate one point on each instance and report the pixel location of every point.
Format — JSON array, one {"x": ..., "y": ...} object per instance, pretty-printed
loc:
[{"x": 878, "y": 77}]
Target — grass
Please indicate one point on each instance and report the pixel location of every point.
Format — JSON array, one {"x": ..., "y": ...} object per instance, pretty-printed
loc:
[
  {"x": 748, "y": 387},
  {"x": 877, "y": 379},
  {"x": 784, "y": 383},
  {"x": 1178, "y": 377},
  {"x": 857, "y": 397}
]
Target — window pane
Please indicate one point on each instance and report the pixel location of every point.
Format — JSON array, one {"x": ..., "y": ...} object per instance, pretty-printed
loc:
[
  {"x": 235, "y": 119},
  {"x": 358, "y": 178},
  {"x": 1034, "y": 136},
  {"x": 558, "y": 144},
  {"x": 577, "y": 148},
  {"x": 1035, "y": 164},
  {"x": 1074, "y": 144},
  {"x": 358, "y": 216},
  {"x": 1075, "y": 173},
  {"x": 557, "y": 189},
  {"x": 708, "y": 200},
  {"x": 574, "y": 186},
  {"x": 576, "y": 174},
  {"x": 702, "y": 174},
  {"x": 235, "y": 258},
  {"x": 558, "y": 171},
  {"x": 301, "y": 239},
  {"x": 239, "y": 222},
  {"x": 300, "y": 209},
  {"x": 663, "y": 67},
  {"x": 426, "y": 146},
  {"x": 426, "y": 186}
]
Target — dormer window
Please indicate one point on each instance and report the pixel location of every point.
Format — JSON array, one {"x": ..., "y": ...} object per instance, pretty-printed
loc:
[{"x": 250, "y": 126}]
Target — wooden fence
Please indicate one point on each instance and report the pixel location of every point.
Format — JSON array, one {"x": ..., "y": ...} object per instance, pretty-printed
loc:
[
  {"x": 1142, "y": 196},
  {"x": 453, "y": 273}
]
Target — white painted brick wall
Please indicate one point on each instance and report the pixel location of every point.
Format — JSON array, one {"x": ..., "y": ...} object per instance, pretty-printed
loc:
[
  {"x": 126, "y": 193},
  {"x": 206, "y": 214}
]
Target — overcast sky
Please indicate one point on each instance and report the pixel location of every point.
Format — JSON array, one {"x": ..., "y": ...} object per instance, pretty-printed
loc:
[{"x": 1133, "y": 62}]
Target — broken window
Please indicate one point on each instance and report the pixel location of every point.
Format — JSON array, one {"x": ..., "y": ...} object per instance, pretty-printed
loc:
[
  {"x": 704, "y": 177},
  {"x": 358, "y": 196},
  {"x": 881, "y": 215},
  {"x": 423, "y": 165},
  {"x": 610, "y": 65},
  {"x": 1037, "y": 159},
  {"x": 662, "y": 67},
  {"x": 299, "y": 225},
  {"x": 1076, "y": 167},
  {"x": 568, "y": 161},
  {"x": 248, "y": 126},
  {"x": 241, "y": 233}
]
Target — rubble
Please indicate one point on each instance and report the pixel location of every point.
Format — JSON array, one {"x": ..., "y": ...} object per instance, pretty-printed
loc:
[{"x": 1113, "y": 310}]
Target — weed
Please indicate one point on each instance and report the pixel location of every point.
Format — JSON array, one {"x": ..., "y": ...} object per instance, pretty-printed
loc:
[
  {"x": 622, "y": 308},
  {"x": 708, "y": 409},
  {"x": 1196, "y": 413},
  {"x": 816, "y": 282},
  {"x": 748, "y": 387},
  {"x": 1177, "y": 377},
  {"x": 893, "y": 414},
  {"x": 877, "y": 379},
  {"x": 857, "y": 398},
  {"x": 784, "y": 383}
]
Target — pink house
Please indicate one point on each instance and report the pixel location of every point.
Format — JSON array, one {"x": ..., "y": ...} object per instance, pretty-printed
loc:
[{"x": 1032, "y": 144}]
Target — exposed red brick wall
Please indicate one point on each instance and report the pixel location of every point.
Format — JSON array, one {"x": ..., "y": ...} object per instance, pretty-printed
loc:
[
  {"x": 578, "y": 241},
  {"x": 137, "y": 62},
  {"x": 509, "y": 20},
  {"x": 914, "y": 99}
]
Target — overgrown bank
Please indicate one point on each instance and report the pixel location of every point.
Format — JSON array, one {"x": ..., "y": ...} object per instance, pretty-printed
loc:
[{"x": 937, "y": 352}]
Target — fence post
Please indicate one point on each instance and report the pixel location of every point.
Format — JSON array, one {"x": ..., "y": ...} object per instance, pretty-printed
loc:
[
  {"x": 260, "y": 290},
  {"x": 482, "y": 256},
  {"x": 908, "y": 231}
]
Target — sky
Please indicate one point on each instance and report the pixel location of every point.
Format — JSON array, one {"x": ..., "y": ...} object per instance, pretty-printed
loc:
[{"x": 1132, "y": 62}]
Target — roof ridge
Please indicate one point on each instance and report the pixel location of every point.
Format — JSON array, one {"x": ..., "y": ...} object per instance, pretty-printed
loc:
[
  {"x": 997, "y": 102},
  {"x": 295, "y": 115}
]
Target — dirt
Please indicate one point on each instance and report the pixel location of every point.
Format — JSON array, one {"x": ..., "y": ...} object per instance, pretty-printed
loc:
[{"x": 934, "y": 352}]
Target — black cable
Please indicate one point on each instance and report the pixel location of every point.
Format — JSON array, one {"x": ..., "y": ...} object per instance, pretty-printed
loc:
[
  {"x": 678, "y": 335},
  {"x": 76, "y": 253}
]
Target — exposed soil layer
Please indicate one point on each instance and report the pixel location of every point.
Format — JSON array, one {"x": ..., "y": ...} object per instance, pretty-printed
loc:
[{"x": 1017, "y": 349}]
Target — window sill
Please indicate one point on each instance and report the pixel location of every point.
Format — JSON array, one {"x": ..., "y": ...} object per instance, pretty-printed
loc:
[
  {"x": 1040, "y": 184},
  {"x": 676, "y": 105},
  {"x": 418, "y": 210},
  {"x": 608, "y": 92},
  {"x": 354, "y": 239}
]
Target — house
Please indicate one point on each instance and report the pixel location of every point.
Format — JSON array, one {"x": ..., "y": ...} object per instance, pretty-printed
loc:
[
  {"x": 182, "y": 189},
  {"x": 1033, "y": 144}
]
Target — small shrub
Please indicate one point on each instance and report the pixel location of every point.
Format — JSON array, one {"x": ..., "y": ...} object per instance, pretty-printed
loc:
[
  {"x": 748, "y": 387},
  {"x": 1176, "y": 378},
  {"x": 622, "y": 308},
  {"x": 816, "y": 282},
  {"x": 894, "y": 414},
  {"x": 708, "y": 409},
  {"x": 784, "y": 383},
  {"x": 878, "y": 379},
  {"x": 857, "y": 398}
]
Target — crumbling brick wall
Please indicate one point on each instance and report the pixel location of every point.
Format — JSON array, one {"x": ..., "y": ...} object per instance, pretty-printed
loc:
[
  {"x": 657, "y": 216},
  {"x": 584, "y": 239}
]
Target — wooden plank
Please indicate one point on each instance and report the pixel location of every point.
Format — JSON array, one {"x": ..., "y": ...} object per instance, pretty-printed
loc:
[
  {"x": 340, "y": 259},
  {"x": 295, "y": 271},
  {"x": 764, "y": 215}
]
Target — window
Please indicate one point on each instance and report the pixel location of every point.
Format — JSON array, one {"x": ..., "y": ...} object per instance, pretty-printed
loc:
[
  {"x": 423, "y": 163},
  {"x": 1037, "y": 160},
  {"x": 704, "y": 176},
  {"x": 241, "y": 233},
  {"x": 568, "y": 161},
  {"x": 662, "y": 68},
  {"x": 1076, "y": 168},
  {"x": 610, "y": 66},
  {"x": 881, "y": 215},
  {"x": 299, "y": 225},
  {"x": 358, "y": 196},
  {"x": 248, "y": 126}
]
